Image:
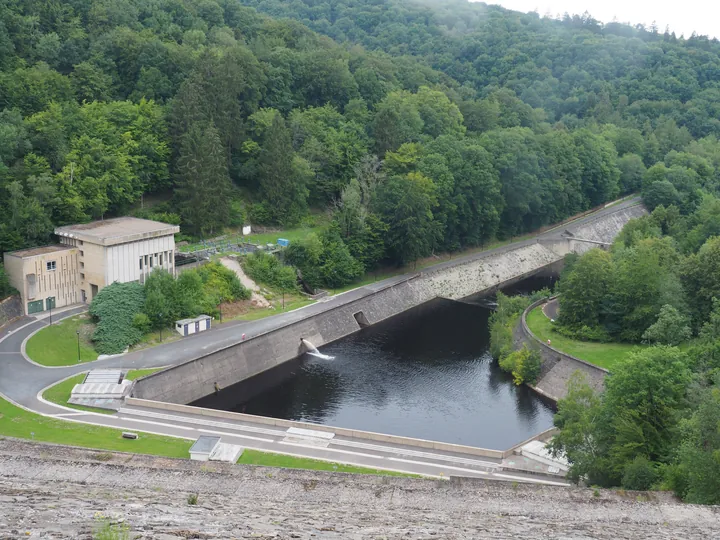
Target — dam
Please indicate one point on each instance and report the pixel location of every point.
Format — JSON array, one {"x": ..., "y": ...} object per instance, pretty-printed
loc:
[{"x": 225, "y": 363}]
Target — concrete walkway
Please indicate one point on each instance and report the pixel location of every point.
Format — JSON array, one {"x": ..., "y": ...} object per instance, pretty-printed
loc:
[{"x": 23, "y": 382}]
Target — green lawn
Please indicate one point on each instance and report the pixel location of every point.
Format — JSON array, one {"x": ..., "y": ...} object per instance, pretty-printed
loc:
[
  {"x": 601, "y": 354},
  {"x": 57, "y": 345},
  {"x": 137, "y": 373},
  {"x": 259, "y": 238},
  {"x": 60, "y": 393},
  {"x": 22, "y": 424},
  {"x": 255, "y": 457}
]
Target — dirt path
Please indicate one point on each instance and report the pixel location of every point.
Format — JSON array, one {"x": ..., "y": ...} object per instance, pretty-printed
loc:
[{"x": 233, "y": 265}]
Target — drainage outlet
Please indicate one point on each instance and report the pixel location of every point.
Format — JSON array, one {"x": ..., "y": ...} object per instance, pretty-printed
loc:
[{"x": 361, "y": 319}]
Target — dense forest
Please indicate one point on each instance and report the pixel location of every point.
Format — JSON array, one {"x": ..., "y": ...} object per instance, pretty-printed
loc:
[{"x": 418, "y": 127}]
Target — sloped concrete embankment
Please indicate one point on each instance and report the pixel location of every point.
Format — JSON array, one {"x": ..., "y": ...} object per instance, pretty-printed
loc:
[
  {"x": 60, "y": 492},
  {"x": 454, "y": 280},
  {"x": 557, "y": 367}
]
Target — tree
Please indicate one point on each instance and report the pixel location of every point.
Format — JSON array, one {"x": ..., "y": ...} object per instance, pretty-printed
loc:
[
  {"x": 578, "y": 419},
  {"x": 584, "y": 289},
  {"x": 203, "y": 186},
  {"x": 406, "y": 204},
  {"x": 283, "y": 175},
  {"x": 671, "y": 328},
  {"x": 646, "y": 392},
  {"x": 632, "y": 170}
]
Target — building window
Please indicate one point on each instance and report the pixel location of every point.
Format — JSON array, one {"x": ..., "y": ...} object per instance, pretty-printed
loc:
[
  {"x": 140, "y": 263},
  {"x": 151, "y": 261},
  {"x": 81, "y": 242},
  {"x": 146, "y": 260},
  {"x": 161, "y": 259},
  {"x": 82, "y": 253},
  {"x": 50, "y": 266},
  {"x": 82, "y": 276},
  {"x": 82, "y": 264}
]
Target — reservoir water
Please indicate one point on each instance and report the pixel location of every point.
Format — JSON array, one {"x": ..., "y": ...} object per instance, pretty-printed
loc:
[{"x": 426, "y": 374}]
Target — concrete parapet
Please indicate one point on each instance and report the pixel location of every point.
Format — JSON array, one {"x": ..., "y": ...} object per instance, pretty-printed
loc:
[{"x": 557, "y": 367}]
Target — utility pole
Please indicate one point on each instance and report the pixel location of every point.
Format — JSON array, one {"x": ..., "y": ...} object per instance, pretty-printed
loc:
[{"x": 78, "y": 343}]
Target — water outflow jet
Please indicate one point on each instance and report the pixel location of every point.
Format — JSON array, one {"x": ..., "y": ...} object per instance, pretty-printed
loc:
[{"x": 312, "y": 350}]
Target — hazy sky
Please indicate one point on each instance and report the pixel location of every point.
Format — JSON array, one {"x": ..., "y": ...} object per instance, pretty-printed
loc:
[{"x": 683, "y": 16}]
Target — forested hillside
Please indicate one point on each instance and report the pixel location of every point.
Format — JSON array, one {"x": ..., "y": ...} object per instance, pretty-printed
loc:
[{"x": 418, "y": 126}]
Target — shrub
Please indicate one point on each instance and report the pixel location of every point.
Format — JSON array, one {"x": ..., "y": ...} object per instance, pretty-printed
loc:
[
  {"x": 639, "y": 475},
  {"x": 503, "y": 321},
  {"x": 192, "y": 499},
  {"x": 523, "y": 364},
  {"x": 142, "y": 322},
  {"x": 268, "y": 270},
  {"x": 324, "y": 261},
  {"x": 114, "y": 309},
  {"x": 584, "y": 333}
]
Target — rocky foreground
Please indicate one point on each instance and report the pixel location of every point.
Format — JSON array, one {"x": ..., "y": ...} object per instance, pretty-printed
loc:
[{"x": 59, "y": 492}]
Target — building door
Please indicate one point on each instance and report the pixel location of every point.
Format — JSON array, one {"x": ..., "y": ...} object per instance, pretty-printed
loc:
[
  {"x": 93, "y": 291},
  {"x": 83, "y": 296},
  {"x": 50, "y": 302},
  {"x": 197, "y": 326},
  {"x": 35, "y": 307}
]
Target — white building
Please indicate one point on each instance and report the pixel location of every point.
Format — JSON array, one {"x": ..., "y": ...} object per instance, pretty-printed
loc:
[{"x": 89, "y": 257}]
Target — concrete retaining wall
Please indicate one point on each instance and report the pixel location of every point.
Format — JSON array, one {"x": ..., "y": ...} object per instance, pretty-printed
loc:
[
  {"x": 557, "y": 367},
  {"x": 10, "y": 309},
  {"x": 455, "y": 280}
]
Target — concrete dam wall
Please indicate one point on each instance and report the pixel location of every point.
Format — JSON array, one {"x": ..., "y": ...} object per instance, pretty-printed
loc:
[{"x": 463, "y": 277}]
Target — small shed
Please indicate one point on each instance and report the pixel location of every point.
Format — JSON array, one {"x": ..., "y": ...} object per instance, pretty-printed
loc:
[{"x": 185, "y": 327}]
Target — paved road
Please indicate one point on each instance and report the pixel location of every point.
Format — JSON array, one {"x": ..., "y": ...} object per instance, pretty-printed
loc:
[
  {"x": 23, "y": 382},
  {"x": 551, "y": 309}
]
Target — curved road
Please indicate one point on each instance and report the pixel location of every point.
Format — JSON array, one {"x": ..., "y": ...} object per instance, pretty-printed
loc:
[{"x": 22, "y": 382}]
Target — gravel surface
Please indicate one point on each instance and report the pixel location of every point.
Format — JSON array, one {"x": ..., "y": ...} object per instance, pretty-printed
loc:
[{"x": 58, "y": 492}]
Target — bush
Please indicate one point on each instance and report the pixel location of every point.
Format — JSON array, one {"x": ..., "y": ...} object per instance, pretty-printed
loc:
[
  {"x": 260, "y": 213},
  {"x": 584, "y": 333},
  {"x": 114, "y": 309},
  {"x": 268, "y": 270},
  {"x": 324, "y": 261},
  {"x": 142, "y": 322},
  {"x": 503, "y": 321},
  {"x": 639, "y": 475},
  {"x": 523, "y": 364}
]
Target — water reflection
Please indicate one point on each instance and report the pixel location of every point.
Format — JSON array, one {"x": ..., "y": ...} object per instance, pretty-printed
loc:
[{"x": 426, "y": 373}]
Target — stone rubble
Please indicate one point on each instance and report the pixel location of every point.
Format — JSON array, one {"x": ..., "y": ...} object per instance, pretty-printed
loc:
[{"x": 58, "y": 492}]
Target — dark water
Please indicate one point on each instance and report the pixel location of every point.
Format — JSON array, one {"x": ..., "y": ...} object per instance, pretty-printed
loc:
[{"x": 426, "y": 373}]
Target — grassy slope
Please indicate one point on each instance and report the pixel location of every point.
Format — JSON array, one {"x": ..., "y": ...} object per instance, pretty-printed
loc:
[
  {"x": 601, "y": 354},
  {"x": 22, "y": 424},
  {"x": 56, "y": 345},
  {"x": 255, "y": 457}
]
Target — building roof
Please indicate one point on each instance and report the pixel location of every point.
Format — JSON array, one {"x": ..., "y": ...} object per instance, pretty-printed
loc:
[
  {"x": 42, "y": 250},
  {"x": 117, "y": 230}
]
